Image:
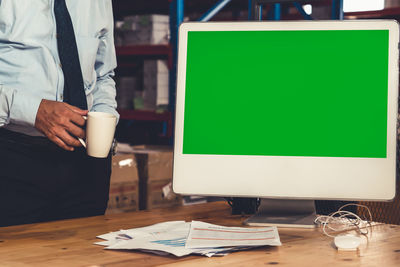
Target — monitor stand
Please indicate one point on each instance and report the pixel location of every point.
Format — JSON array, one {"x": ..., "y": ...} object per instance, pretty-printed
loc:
[{"x": 284, "y": 213}]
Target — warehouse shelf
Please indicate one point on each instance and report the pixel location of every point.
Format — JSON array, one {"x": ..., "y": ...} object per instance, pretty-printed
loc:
[
  {"x": 125, "y": 53},
  {"x": 144, "y": 50},
  {"x": 148, "y": 115},
  {"x": 128, "y": 7},
  {"x": 177, "y": 9}
]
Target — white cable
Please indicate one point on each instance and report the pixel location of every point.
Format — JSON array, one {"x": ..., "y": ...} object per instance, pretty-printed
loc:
[{"x": 343, "y": 220}]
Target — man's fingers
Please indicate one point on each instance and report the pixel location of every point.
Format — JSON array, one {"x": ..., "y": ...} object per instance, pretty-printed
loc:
[
  {"x": 75, "y": 130},
  {"x": 77, "y": 119},
  {"x": 58, "y": 121},
  {"x": 77, "y": 115},
  {"x": 77, "y": 110},
  {"x": 68, "y": 139},
  {"x": 60, "y": 143}
]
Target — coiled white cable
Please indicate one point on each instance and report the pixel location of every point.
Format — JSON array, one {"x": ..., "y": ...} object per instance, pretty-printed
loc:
[{"x": 343, "y": 220}]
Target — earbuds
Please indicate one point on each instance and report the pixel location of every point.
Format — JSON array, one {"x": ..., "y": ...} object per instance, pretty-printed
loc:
[
  {"x": 343, "y": 220},
  {"x": 347, "y": 242}
]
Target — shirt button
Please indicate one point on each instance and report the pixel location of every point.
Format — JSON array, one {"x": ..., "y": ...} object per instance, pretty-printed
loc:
[
  {"x": 59, "y": 64},
  {"x": 61, "y": 97}
]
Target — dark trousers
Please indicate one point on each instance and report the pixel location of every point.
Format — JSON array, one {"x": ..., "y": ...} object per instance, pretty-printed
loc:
[{"x": 41, "y": 182}]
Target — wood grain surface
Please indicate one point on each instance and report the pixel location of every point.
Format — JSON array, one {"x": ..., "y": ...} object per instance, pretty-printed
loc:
[{"x": 70, "y": 243}]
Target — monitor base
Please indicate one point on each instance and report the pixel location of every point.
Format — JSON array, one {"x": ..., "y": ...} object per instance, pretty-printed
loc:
[{"x": 284, "y": 213}]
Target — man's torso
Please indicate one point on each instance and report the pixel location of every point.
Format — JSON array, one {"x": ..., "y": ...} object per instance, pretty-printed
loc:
[{"x": 28, "y": 46}]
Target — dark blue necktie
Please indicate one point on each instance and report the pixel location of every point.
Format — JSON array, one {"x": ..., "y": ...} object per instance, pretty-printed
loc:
[{"x": 74, "y": 91}]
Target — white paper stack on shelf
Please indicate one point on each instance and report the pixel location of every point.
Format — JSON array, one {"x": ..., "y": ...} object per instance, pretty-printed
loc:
[
  {"x": 155, "y": 83},
  {"x": 182, "y": 238}
]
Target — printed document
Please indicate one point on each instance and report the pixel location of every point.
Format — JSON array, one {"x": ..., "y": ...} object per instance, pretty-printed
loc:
[
  {"x": 182, "y": 238},
  {"x": 206, "y": 235}
]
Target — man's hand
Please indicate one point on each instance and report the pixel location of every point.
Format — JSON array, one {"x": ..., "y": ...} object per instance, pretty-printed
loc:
[{"x": 61, "y": 123}]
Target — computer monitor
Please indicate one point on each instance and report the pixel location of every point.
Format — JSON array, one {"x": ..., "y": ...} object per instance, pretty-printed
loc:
[{"x": 287, "y": 110}]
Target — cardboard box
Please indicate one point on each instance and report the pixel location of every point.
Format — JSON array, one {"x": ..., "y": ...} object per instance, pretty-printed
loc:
[
  {"x": 155, "y": 177},
  {"x": 124, "y": 185}
]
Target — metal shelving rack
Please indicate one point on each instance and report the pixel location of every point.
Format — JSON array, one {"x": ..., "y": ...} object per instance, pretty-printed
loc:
[
  {"x": 255, "y": 8},
  {"x": 169, "y": 52}
]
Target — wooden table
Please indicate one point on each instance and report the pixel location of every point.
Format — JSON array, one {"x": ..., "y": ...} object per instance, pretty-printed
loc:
[{"x": 70, "y": 243}]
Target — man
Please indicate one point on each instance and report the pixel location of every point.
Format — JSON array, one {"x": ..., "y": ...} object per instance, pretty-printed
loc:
[{"x": 56, "y": 63}]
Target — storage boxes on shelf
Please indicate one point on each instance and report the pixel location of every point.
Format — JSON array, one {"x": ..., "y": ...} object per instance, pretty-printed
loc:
[
  {"x": 143, "y": 107},
  {"x": 143, "y": 29},
  {"x": 154, "y": 93}
]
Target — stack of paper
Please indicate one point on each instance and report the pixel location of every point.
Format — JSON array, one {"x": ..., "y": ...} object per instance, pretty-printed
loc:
[{"x": 183, "y": 238}]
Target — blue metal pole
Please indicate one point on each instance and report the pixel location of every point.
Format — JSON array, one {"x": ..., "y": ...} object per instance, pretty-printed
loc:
[
  {"x": 176, "y": 18},
  {"x": 214, "y": 10},
  {"x": 301, "y": 10},
  {"x": 250, "y": 10},
  {"x": 180, "y": 11},
  {"x": 337, "y": 9},
  {"x": 341, "y": 13},
  {"x": 260, "y": 11},
  {"x": 277, "y": 11}
]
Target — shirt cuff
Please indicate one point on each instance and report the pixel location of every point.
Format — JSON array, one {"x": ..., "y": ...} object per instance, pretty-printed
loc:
[{"x": 24, "y": 108}]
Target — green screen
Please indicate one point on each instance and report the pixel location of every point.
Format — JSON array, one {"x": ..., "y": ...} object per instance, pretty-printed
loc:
[{"x": 287, "y": 93}]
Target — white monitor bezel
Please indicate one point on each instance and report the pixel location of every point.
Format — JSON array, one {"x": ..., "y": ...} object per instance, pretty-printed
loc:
[{"x": 317, "y": 178}]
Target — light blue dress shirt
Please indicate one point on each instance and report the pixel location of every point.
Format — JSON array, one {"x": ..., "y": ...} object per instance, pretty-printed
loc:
[{"x": 30, "y": 68}]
